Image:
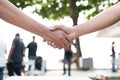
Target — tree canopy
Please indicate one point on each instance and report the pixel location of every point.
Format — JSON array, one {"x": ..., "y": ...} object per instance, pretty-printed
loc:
[{"x": 56, "y": 9}]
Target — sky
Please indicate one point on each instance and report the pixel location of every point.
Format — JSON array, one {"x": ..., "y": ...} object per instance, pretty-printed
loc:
[{"x": 91, "y": 46}]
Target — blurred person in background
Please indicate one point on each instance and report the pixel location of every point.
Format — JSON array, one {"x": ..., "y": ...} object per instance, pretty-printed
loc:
[
  {"x": 67, "y": 60},
  {"x": 113, "y": 57},
  {"x": 3, "y": 61},
  {"x": 15, "y": 57},
  {"x": 32, "y": 48}
]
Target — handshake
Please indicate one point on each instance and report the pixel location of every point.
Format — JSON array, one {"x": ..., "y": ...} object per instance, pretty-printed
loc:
[{"x": 60, "y": 36}]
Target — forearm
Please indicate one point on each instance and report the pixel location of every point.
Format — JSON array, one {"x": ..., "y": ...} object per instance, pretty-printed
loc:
[
  {"x": 14, "y": 16},
  {"x": 101, "y": 21}
]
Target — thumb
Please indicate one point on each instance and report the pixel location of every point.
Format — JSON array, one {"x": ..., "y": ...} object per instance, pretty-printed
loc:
[
  {"x": 66, "y": 29},
  {"x": 56, "y": 27}
]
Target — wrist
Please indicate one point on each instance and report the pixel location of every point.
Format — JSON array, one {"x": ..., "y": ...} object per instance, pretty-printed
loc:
[{"x": 74, "y": 34}]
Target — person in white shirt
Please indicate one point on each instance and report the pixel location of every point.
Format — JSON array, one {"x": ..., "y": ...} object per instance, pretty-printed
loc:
[
  {"x": 118, "y": 61},
  {"x": 3, "y": 60}
]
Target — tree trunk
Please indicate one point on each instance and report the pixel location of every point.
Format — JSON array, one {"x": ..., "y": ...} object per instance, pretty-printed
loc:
[{"x": 74, "y": 16}]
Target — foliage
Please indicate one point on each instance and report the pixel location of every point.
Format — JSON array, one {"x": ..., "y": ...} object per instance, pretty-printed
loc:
[
  {"x": 56, "y": 9},
  {"x": 110, "y": 78}
]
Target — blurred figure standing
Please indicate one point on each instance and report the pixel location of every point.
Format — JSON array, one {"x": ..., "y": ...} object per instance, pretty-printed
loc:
[
  {"x": 3, "y": 51},
  {"x": 32, "y": 48},
  {"x": 15, "y": 57},
  {"x": 67, "y": 60},
  {"x": 113, "y": 57}
]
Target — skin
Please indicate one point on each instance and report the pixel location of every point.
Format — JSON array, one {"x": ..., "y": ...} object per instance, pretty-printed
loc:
[
  {"x": 103, "y": 20},
  {"x": 13, "y": 15}
]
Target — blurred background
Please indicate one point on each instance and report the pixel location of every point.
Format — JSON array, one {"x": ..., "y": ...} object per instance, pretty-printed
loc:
[{"x": 96, "y": 45}]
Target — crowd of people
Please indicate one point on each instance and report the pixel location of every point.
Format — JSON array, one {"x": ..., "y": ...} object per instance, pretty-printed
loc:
[
  {"x": 16, "y": 54},
  {"x": 14, "y": 63}
]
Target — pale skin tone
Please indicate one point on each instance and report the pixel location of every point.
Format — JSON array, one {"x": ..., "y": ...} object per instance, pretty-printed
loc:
[
  {"x": 13, "y": 15},
  {"x": 103, "y": 20}
]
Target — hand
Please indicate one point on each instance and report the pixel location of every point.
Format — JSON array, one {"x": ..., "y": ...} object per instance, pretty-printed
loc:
[
  {"x": 60, "y": 39},
  {"x": 67, "y": 31}
]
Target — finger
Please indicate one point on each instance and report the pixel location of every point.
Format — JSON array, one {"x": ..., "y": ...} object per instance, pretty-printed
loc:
[
  {"x": 49, "y": 42},
  {"x": 58, "y": 45},
  {"x": 67, "y": 41},
  {"x": 63, "y": 43},
  {"x": 55, "y": 27},
  {"x": 52, "y": 44},
  {"x": 44, "y": 40}
]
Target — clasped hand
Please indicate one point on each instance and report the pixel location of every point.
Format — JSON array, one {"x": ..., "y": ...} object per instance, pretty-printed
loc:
[{"x": 63, "y": 33}]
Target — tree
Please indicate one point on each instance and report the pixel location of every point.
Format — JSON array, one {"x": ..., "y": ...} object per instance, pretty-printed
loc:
[{"x": 56, "y": 9}]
